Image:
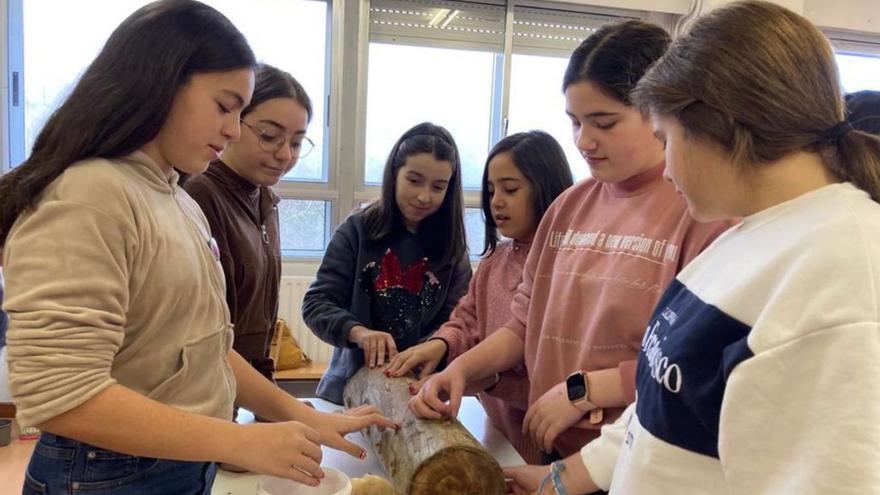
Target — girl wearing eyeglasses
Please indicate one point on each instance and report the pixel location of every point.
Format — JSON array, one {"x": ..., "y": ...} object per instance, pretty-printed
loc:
[{"x": 242, "y": 210}]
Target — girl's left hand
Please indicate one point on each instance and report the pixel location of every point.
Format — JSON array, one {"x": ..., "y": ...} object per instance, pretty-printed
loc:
[
  {"x": 332, "y": 427},
  {"x": 427, "y": 355},
  {"x": 525, "y": 480},
  {"x": 549, "y": 416}
]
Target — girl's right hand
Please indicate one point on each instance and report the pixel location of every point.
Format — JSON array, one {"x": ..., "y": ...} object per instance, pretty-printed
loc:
[
  {"x": 376, "y": 345},
  {"x": 430, "y": 401},
  {"x": 426, "y": 355},
  {"x": 525, "y": 480},
  {"x": 288, "y": 450}
]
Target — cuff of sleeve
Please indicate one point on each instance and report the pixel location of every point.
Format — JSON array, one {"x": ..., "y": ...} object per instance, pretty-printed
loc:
[
  {"x": 627, "y": 371},
  {"x": 346, "y": 329},
  {"x": 455, "y": 345},
  {"x": 599, "y": 461},
  {"x": 39, "y": 408}
]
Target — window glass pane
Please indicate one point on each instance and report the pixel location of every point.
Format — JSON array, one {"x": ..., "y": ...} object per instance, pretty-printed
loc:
[
  {"x": 537, "y": 102},
  {"x": 292, "y": 38},
  {"x": 304, "y": 226},
  {"x": 291, "y": 35},
  {"x": 475, "y": 229},
  {"x": 859, "y": 72},
  {"x": 412, "y": 84},
  {"x": 51, "y": 69}
]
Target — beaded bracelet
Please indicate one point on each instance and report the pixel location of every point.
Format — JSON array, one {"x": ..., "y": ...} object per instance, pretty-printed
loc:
[{"x": 554, "y": 477}]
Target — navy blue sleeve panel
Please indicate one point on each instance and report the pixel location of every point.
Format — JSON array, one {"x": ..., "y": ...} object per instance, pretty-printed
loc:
[{"x": 688, "y": 352}]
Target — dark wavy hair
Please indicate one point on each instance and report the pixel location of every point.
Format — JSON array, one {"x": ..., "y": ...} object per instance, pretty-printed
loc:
[
  {"x": 863, "y": 111},
  {"x": 540, "y": 158},
  {"x": 442, "y": 234},
  {"x": 616, "y": 56},
  {"x": 271, "y": 82},
  {"x": 124, "y": 97}
]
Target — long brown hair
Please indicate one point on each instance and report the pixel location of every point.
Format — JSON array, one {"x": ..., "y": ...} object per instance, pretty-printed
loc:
[
  {"x": 761, "y": 81},
  {"x": 122, "y": 100}
]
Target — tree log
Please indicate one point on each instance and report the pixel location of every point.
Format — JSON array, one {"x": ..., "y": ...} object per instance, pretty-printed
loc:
[{"x": 424, "y": 457}]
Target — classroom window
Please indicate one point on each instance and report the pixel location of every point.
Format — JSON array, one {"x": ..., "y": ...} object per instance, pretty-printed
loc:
[
  {"x": 476, "y": 231},
  {"x": 543, "y": 40},
  {"x": 537, "y": 102},
  {"x": 427, "y": 60},
  {"x": 305, "y": 226},
  {"x": 432, "y": 62},
  {"x": 450, "y": 88},
  {"x": 293, "y": 38},
  {"x": 859, "y": 71}
]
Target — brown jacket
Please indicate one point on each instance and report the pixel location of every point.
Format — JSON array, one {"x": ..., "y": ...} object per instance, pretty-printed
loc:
[{"x": 244, "y": 222}]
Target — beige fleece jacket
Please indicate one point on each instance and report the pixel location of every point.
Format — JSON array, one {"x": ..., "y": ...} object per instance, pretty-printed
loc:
[{"x": 113, "y": 278}]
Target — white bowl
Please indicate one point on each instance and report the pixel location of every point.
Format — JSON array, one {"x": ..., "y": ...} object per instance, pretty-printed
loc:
[{"x": 335, "y": 482}]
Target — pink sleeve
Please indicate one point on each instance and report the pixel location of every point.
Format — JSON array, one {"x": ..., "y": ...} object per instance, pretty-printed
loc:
[
  {"x": 627, "y": 371},
  {"x": 461, "y": 332}
]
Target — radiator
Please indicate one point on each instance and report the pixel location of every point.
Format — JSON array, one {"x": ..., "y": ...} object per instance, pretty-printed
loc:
[{"x": 290, "y": 309}]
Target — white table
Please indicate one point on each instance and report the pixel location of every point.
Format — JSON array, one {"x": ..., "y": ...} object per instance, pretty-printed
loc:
[{"x": 471, "y": 416}]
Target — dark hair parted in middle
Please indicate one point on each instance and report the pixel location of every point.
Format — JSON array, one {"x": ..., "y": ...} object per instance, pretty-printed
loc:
[
  {"x": 540, "y": 158},
  {"x": 270, "y": 83},
  {"x": 442, "y": 234},
  {"x": 616, "y": 56}
]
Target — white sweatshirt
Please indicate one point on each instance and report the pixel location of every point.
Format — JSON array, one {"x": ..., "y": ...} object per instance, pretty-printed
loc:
[{"x": 758, "y": 373}]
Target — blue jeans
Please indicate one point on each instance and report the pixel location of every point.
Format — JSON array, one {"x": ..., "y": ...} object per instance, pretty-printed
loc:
[{"x": 60, "y": 465}]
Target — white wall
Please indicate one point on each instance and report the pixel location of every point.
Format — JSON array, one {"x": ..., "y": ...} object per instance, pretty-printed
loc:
[{"x": 848, "y": 15}]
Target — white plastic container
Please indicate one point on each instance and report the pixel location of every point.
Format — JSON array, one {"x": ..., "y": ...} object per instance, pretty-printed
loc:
[{"x": 335, "y": 482}]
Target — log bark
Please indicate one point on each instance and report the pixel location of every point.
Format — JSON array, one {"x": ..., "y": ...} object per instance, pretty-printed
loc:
[{"x": 424, "y": 457}]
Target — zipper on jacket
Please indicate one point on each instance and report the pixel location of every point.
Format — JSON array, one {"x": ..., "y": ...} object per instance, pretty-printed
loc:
[{"x": 265, "y": 234}]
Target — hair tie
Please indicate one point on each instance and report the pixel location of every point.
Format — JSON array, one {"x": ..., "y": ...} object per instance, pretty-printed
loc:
[{"x": 837, "y": 131}]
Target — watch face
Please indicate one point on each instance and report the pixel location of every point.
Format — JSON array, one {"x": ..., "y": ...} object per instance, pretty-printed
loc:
[{"x": 577, "y": 389}]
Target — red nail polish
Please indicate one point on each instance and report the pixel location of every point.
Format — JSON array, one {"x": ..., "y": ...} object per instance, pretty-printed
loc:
[{"x": 363, "y": 455}]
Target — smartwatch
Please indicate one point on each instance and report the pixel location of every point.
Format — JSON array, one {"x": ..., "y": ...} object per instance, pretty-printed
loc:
[
  {"x": 579, "y": 396},
  {"x": 578, "y": 390}
]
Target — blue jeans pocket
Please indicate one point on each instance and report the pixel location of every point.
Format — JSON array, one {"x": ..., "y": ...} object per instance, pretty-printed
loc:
[
  {"x": 105, "y": 469},
  {"x": 32, "y": 486},
  {"x": 64, "y": 466}
]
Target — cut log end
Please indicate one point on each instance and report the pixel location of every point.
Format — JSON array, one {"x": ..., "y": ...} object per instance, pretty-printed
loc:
[{"x": 460, "y": 470}]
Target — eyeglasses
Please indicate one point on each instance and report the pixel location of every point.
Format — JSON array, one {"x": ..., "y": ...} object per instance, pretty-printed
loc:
[{"x": 271, "y": 143}]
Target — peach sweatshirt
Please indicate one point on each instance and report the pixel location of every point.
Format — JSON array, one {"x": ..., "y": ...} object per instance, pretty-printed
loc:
[{"x": 599, "y": 263}]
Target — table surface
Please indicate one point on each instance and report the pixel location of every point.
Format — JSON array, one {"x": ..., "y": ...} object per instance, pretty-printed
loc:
[
  {"x": 471, "y": 415},
  {"x": 14, "y": 458}
]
